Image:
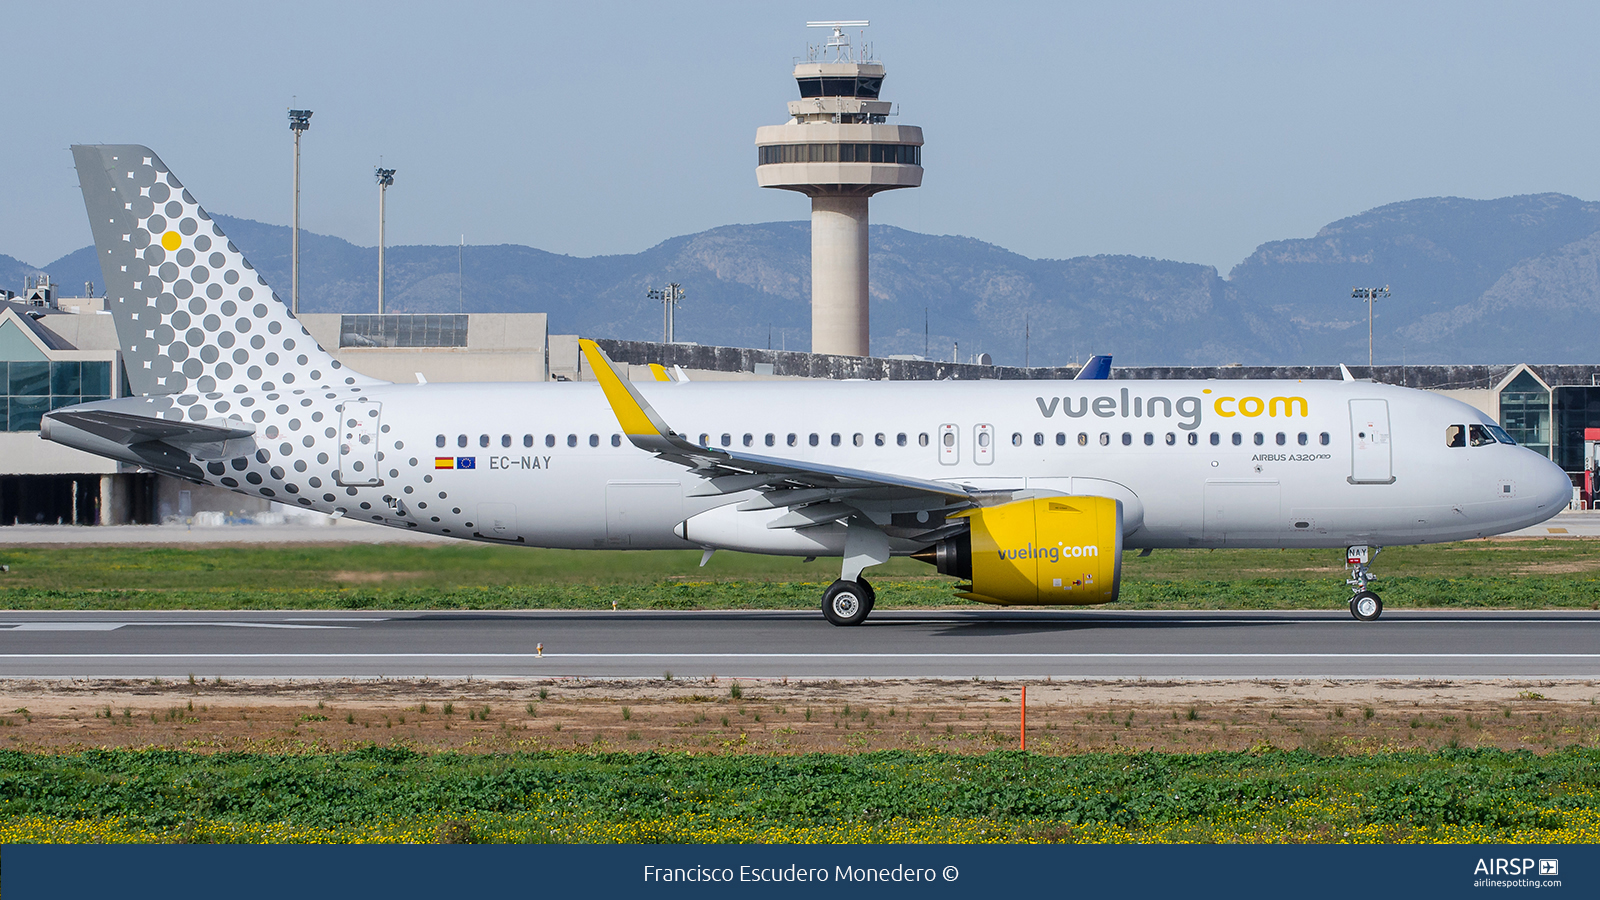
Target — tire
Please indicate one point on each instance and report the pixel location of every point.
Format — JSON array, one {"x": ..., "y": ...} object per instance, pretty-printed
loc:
[
  {"x": 872, "y": 595},
  {"x": 845, "y": 603},
  {"x": 1366, "y": 606}
]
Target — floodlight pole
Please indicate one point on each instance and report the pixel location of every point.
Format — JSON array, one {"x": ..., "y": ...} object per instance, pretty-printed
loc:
[
  {"x": 299, "y": 121},
  {"x": 385, "y": 178},
  {"x": 1369, "y": 294},
  {"x": 669, "y": 297}
]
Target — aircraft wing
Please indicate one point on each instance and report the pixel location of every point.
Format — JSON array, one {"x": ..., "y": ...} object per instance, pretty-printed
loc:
[{"x": 826, "y": 493}]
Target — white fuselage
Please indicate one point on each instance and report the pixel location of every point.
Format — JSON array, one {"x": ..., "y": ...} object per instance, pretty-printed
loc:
[{"x": 550, "y": 469}]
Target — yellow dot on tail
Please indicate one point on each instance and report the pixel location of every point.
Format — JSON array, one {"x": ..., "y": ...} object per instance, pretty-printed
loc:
[{"x": 171, "y": 240}]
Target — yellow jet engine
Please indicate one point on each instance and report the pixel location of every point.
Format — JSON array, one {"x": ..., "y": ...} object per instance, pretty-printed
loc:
[{"x": 1046, "y": 550}]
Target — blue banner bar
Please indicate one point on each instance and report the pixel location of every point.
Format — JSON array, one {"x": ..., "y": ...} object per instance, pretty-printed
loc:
[{"x": 177, "y": 872}]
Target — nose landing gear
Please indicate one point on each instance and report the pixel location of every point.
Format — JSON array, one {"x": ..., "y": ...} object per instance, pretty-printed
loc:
[{"x": 1364, "y": 604}]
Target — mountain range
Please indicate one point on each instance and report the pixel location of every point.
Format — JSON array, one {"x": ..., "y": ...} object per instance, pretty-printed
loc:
[{"x": 1473, "y": 281}]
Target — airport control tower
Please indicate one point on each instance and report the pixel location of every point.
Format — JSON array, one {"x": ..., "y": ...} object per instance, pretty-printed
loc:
[{"x": 836, "y": 149}]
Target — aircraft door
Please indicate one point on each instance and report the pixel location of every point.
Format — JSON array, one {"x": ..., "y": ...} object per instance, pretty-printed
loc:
[
  {"x": 1371, "y": 458},
  {"x": 949, "y": 445},
  {"x": 358, "y": 443},
  {"x": 983, "y": 444}
]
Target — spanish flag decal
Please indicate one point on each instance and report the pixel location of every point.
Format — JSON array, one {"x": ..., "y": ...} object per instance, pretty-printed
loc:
[{"x": 444, "y": 462}]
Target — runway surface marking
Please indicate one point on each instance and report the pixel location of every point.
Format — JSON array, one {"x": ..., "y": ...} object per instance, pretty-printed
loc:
[
  {"x": 533, "y": 656},
  {"x": 113, "y": 626}
]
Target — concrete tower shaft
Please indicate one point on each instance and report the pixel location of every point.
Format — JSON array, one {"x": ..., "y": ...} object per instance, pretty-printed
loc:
[{"x": 836, "y": 149}]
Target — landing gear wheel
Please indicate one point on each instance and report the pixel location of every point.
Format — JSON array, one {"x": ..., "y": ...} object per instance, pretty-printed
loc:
[
  {"x": 872, "y": 595},
  {"x": 1366, "y": 606},
  {"x": 846, "y": 603}
]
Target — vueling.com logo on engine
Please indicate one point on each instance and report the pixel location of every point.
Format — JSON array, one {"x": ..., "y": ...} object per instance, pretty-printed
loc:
[{"x": 1054, "y": 554}]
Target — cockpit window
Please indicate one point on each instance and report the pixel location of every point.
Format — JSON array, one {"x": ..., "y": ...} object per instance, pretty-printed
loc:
[
  {"x": 1479, "y": 436},
  {"x": 1500, "y": 435},
  {"x": 1455, "y": 436}
]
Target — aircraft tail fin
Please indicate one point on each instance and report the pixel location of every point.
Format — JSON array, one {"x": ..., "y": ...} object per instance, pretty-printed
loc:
[
  {"x": 192, "y": 315},
  {"x": 1098, "y": 368}
]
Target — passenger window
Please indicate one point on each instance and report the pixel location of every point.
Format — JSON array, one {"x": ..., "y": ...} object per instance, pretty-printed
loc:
[
  {"x": 483, "y": 440},
  {"x": 572, "y": 440},
  {"x": 527, "y": 440},
  {"x": 793, "y": 439},
  {"x": 949, "y": 439},
  {"x": 1016, "y": 439},
  {"x": 616, "y": 440},
  {"x": 1105, "y": 438},
  {"x": 1127, "y": 439},
  {"x": 859, "y": 439},
  {"x": 1237, "y": 439},
  {"x": 1478, "y": 436},
  {"x": 772, "y": 439},
  {"x": 813, "y": 439},
  {"x": 900, "y": 439},
  {"x": 983, "y": 439},
  {"x": 461, "y": 440},
  {"x": 1326, "y": 439},
  {"x": 1260, "y": 439},
  {"x": 922, "y": 439},
  {"x": 879, "y": 440},
  {"x": 1215, "y": 439},
  {"x": 549, "y": 440},
  {"x": 727, "y": 439},
  {"x": 1038, "y": 439},
  {"x": 1455, "y": 436},
  {"x": 1172, "y": 439},
  {"x": 705, "y": 440},
  {"x": 1303, "y": 438},
  {"x": 505, "y": 440},
  {"x": 594, "y": 440},
  {"x": 749, "y": 440},
  {"x": 439, "y": 441},
  {"x": 1282, "y": 439},
  {"x": 1061, "y": 439},
  {"x": 835, "y": 439},
  {"x": 1149, "y": 439},
  {"x": 1194, "y": 439}
]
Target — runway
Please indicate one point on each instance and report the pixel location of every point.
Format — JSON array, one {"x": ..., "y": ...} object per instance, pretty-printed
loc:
[{"x": 764, "y": 644}]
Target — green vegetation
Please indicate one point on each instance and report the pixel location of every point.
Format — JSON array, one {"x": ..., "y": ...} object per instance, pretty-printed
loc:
[
  {"x": 1509, "y": 574},
  {"x": 396, "y": 794}
]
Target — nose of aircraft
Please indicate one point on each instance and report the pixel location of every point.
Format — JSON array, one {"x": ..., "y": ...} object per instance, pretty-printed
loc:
[{"x": 1550, "y": 487}]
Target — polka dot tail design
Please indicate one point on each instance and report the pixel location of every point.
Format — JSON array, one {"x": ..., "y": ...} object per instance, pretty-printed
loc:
[{"x": 205, "y": 340}]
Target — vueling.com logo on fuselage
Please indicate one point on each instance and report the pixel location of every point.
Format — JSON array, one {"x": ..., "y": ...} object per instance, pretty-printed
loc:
[
  {"x": 1054, "y": 554},
  {"x": 1187, "y": 409}
]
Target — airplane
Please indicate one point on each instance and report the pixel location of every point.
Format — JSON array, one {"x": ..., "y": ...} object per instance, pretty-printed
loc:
[{"x": 1029, "y": 491}]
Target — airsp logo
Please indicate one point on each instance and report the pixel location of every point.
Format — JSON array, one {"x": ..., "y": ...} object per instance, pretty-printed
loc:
[{"x": 1501, "y": 866}]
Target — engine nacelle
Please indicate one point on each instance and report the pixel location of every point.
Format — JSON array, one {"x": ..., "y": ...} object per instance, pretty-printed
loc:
[{"x": 1047, "y": 550}]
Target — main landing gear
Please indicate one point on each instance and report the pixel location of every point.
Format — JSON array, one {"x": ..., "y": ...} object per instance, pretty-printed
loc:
[
  {"x": 848, "y": 602},
  {"x": 1364, "y": 604}
]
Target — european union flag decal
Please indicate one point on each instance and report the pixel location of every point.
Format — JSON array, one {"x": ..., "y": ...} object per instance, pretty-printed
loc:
[{"x": 466, "y": 462}]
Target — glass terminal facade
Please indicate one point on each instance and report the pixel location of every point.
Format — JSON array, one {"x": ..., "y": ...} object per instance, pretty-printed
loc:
[
  {"x": 899, "y": 154},
  {"x": 1525, "y": 413},
  {"x": 32, "y": 389},
  {"x": 403, "y": 331}
]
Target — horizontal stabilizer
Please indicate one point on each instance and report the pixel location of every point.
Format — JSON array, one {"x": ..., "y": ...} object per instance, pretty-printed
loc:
[{"x": 128, "y": 429}]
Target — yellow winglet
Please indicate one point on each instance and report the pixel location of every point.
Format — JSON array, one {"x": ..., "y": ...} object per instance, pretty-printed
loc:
[
  {"x": 659, "y": 372},
  {"x": 639, "y": 421}
]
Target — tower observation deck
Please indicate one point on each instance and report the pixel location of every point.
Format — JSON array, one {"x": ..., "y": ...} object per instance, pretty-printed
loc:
[{"x": 838, "y": 150}]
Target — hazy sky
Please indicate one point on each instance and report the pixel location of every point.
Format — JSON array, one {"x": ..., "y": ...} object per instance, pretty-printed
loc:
[{"x": 1184, "y": 131}]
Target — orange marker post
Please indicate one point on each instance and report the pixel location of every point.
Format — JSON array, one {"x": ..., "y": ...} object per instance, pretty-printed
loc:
[{"x": 1024, "y": 717}]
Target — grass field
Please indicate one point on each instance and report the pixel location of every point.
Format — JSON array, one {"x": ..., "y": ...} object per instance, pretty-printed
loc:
[
  {"x": 1533, "y": 574},
  {"x": 393, "y": 794}
]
